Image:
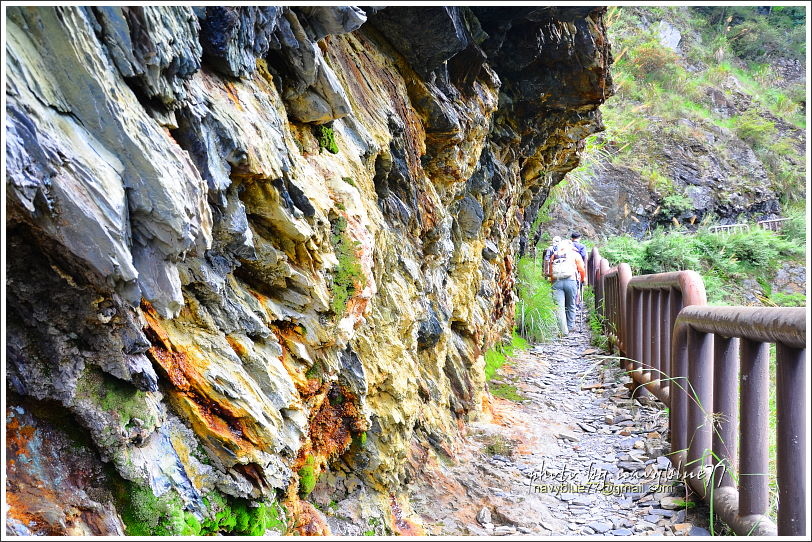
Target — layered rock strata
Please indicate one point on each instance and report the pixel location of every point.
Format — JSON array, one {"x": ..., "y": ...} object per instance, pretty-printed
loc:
[{"x": 256, "y": 251}]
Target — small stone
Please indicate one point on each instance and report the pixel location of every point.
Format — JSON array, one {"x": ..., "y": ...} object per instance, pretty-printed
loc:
[
  {"x": 663, "y": 513},
  {"x": 567, "y": 435},
  {"x": 643, "y": 525},
  {"x": 621, "y": 532},
  {"x": 654, "y": 434},
  {"x": 680, "y": 516},
  {"x": 671, "y": 503},
  {"x": 583, "y": 500},
  {"x": 681, "y": 528},
  {"x": 504, "y": 530},
  {"x": 631, "y": 466},
  {"x": 639, "y": 445},
  {"x": 586, "y": 427},
  {"x": 549, "y": 526},
  {"x": 698, "y": 531},
  {"x": 484, "y": 516},
  {"x": 600, "y": 527},
  {"x": 651, "y": 518}
]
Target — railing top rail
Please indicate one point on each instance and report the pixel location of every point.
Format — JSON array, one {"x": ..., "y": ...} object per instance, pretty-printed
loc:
[
  {"x": 620, "y": 270},
  {"x": 689, "y": 282},
  {"x": 785, "y": 325},
  {"x": 773, "y": 220}
]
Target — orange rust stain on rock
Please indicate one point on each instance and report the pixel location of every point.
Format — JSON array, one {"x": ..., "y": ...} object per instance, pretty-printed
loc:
[
  {"x": 189, "y": 392},
  {"x": 237, "y": 346},
  {"x": 231, "y": 92},
  {"x": 310, "y": 522},
  {"x": 403, "y": 526},
  {"x": 17, "y": 437},
  {"x": 332, "y": 425},
  {"x": 26, "y": 496}
]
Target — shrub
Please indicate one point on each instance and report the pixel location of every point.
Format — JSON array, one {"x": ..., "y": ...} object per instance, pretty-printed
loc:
[
  {"x": 788, "y": 300},
  {"x": 669, "y": 252},
  {"x": 499, "y": 445},
  {"x": 598, "y": 338},
  {"x": 624, "y": 249},
  {"x": 652, "y": 60},
  {"x": 794, "y": 229},
  {"x": 144, "y": 514},
  {"x": 753, "y": 128},
  {"x": 676, "y": 204}
]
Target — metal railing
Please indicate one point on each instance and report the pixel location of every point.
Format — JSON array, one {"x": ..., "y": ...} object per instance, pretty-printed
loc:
[
  {"x": 774, "y": 224},
  {"x": 696, "y": 358},
  {"x": 729, "y": 228}
]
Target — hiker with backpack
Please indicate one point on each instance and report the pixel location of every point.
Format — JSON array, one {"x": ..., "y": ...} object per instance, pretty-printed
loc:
[
  {"x": 581, "y": 248},
  {"x": 565, "y": 269}
]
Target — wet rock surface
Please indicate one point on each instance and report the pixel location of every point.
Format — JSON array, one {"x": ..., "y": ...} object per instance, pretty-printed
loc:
[
  {"x": 256, "y": 252},
  {"x": 576, "y": 456}
]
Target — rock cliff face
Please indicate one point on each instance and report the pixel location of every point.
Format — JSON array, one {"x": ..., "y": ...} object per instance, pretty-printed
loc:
[
  {"x": 695, "y": 132},
  {"x": 253, "y": 251}
]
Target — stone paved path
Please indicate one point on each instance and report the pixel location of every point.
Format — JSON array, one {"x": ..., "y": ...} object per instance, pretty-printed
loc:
[{"x": 523, "y": 469}]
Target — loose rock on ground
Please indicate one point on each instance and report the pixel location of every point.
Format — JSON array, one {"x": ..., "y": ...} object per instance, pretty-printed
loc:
[{"x": 576, "y": 456}]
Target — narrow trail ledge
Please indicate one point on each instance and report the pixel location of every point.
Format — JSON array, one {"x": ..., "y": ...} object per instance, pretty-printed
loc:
[{"x": 517, "y": 470}]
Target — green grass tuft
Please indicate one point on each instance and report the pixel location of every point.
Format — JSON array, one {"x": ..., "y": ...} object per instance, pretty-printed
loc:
[
  {"x": 498, "y": 355},
  {"x": 535, "y": 308}
]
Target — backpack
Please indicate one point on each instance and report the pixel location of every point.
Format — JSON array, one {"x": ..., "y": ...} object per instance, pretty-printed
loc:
[{"x": 562, "y": 261}]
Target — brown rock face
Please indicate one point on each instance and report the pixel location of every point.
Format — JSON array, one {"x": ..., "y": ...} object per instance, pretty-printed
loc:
[{"x": 256, "y": 249}]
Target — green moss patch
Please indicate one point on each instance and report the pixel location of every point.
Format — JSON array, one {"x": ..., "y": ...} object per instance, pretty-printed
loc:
[
  {"x": 506, "y": 391},
  {"x": 326, "y": 137},
  {"x": 115, "y": 396},
  {"x": 348, "y": 272},
  {"x": 144, "y": 514},
  {"x": 307, "y": 477}
]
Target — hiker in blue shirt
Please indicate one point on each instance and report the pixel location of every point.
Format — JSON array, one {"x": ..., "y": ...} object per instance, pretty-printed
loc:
[
  {"x": 578, "y": 245},
  {"x": 581, "y": 249}
]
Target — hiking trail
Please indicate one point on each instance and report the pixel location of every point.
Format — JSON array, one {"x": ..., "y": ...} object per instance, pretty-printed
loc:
[{"x": 576, "y": 423}]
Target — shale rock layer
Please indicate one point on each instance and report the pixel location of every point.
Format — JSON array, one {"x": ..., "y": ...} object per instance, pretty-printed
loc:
[{"x": 258, "y": 250}]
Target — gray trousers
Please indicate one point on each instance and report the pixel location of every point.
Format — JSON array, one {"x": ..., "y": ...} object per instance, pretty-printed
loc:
[{"x": 564, "y": 293}]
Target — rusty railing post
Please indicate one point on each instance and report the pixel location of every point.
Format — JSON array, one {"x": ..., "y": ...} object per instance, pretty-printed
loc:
[
  {"x": 665, "y": 339},
  {"x": 753, "y": 456},
  {"x": 656, "y": 369},
  {"x": 678, "y": 411},
  {"x": 725, "y": 397},
  {"x": 603, "y": 270},
  {"x": 700, "y": 406},
  {"x": 791, "y": 442},
  {"x": 624, "y": 274}
]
